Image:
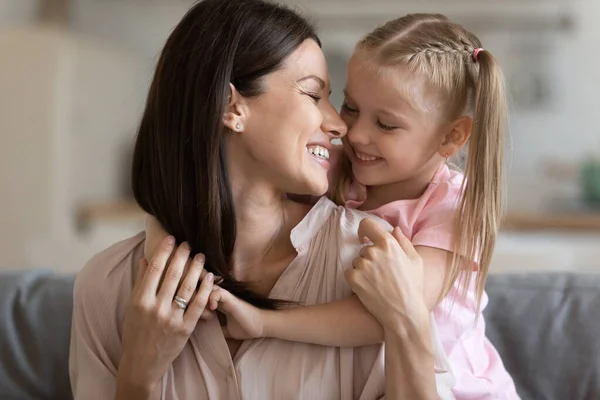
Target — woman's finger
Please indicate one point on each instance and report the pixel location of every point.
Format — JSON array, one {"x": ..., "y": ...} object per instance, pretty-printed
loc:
[
  {"x": 139, "y": 279},
  {"x": 157, "y": 265},
  {"x": 174, "y": 273},
  {"x": 406, "y": 244},
  {"x": 367, "y": 252},
  {"x": 198, "y": 303},
  {"x": 352, "y": 277},
  {"x": 371, "y": 230},
  {"x": 192, "y": 277},
  {"x": 359, "y": 263}
]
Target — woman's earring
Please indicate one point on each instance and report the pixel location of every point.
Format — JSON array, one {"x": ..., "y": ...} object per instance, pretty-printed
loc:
[
  {"x": 446, "y": 156},
  {"x": 238, "y": 126}
]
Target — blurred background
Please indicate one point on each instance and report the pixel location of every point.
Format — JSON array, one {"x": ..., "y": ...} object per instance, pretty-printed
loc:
[{"x": 74, "y": 76}]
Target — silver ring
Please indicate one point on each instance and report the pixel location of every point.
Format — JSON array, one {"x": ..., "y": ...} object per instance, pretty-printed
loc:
[{"x": 180, "y": 302}]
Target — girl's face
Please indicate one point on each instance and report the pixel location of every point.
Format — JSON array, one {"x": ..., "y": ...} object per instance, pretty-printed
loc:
[{"x": 395, "y": 123}]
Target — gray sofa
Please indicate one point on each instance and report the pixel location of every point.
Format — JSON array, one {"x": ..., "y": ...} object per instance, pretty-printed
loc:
[{"x": 546, "y": 327}]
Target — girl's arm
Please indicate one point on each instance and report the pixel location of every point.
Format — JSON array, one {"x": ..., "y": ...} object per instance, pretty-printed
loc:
[
  {"x": 343, "y": 323},
  {"x": 346, "y": 323}
]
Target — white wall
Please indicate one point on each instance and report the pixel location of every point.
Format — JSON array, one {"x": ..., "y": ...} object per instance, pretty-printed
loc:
[
  {"x": 17, "y": 12},
  {"x": 564, "y": 128},
  {"x": 82, "y": 96},
  {"x": 29, "y": 126},
  {"x": 68, "y": 105}
]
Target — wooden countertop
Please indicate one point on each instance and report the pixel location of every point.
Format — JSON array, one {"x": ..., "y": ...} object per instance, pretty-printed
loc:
[
  {"x": 115, "y": 211},
  {"x": 108, "y": 212},
  {"x": 552, "y": 221}
]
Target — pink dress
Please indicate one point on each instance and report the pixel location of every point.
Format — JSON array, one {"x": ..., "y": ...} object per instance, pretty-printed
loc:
[{"x": 429, "y": 221}]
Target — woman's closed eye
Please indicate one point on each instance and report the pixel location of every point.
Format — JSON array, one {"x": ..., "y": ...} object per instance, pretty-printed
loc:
[{"x": 314, "y": 96}]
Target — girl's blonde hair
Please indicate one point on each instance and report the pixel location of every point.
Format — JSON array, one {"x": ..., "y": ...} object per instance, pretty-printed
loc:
[{"x": 471, "y": 83}]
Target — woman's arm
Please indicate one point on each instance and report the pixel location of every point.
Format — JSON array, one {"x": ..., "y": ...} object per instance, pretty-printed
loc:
[
  {"x": 156, "y": 329},
  {"x": 128, "y": 390},
  {"x": 395, "y": 296},
  {"x": 409, "y": 365}
]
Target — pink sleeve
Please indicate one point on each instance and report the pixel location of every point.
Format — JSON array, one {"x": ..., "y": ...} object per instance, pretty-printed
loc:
[{"x": 435, "y": 224}]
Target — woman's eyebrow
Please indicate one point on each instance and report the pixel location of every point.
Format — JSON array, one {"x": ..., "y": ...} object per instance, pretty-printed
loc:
[{"x": 320, "y": 81}]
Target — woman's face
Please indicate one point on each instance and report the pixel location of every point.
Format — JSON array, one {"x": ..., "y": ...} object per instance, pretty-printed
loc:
[{"x": 288, "y": 129}]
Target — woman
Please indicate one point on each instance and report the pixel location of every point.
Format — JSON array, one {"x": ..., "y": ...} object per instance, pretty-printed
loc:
[{"x": 237, "y": 116}]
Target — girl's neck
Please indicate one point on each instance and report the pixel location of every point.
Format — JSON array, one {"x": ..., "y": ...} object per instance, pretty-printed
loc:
[{"x": 408, "y": 189}]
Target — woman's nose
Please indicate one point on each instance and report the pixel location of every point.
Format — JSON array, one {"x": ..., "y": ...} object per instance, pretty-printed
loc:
[{"x": 333, "y": 123}]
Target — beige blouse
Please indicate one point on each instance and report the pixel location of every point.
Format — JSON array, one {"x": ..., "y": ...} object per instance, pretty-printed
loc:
[{"x": 263, "y": 369}]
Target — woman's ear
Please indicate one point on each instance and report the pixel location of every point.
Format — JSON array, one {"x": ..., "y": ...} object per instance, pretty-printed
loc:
[
  {"x": 236, "y": 111},
  {"x": 457, "y": 136}
]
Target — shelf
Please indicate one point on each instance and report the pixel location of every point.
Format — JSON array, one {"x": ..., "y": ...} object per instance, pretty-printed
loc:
[
  {"x": 548, "y": 221},
  {"x": 109, "y": 211},
  {"x": 103, "y": 212}
]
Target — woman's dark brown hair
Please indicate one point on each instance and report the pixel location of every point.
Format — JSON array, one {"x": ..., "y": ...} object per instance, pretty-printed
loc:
[{"x": 179, "y": 165}]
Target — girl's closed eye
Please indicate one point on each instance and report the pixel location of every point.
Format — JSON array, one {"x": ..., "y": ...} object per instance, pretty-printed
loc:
[
  {"x": 348, "y": 109},
  {"x": 385, "y": 127}
]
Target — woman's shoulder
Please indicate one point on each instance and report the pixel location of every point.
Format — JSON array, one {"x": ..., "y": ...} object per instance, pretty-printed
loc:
[
  {"x": 109, "y": 275},
  {"x": 101, "y": 294},
  {"x": 350, "y": 218},
  {"x": 327, "y": 221}
]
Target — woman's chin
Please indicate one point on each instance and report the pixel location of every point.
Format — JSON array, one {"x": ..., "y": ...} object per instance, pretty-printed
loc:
[
  {"x": 310, "y": 182},
  {"x": 320, "y": 188},
  {"x": 315, "y": 189}
]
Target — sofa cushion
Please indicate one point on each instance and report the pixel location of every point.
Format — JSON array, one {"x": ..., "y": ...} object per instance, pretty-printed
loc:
[
  {"x": 35, "y": 310},
  {"x": 547, "y": 329},
  {"x": 545, "y": 326}
]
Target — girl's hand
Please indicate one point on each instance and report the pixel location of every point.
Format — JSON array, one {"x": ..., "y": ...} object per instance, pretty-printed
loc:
[
  {"x": 156, "y": 329},
  {"x": 388, "y": 276},
  {"x": 244, "y": 321}
]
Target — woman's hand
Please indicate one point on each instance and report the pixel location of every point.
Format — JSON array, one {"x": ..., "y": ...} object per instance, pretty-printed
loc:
[
  {"x": 244, "y": 321},
  {"x": 156, "y": 329},
  {"x": 388, "y": 276}
]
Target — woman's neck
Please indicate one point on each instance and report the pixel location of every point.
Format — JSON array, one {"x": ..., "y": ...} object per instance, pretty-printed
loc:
[{"x": 264, "y": 221}]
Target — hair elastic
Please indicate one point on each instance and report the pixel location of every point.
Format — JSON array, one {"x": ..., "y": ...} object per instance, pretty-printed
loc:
[{"x": 476, "y": 53}]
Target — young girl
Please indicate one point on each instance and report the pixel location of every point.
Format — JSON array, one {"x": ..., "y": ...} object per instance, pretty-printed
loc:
[{"x": 419, "y": 89}]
